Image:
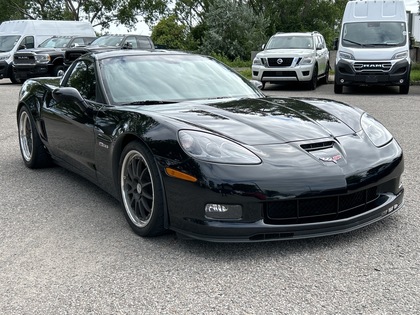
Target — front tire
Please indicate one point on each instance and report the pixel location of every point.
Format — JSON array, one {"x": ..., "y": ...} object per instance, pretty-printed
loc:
[
  {"x": 404, "y": 89},
  {"x": 141, "y": 190},
  {"x": 34, "y": 153},
  {"x": 314, "y": 80}
]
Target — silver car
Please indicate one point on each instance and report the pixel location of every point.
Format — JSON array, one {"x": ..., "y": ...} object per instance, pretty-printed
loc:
[{"x": 293, "y": 57}]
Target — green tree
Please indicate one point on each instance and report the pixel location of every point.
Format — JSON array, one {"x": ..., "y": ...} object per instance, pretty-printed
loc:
[
  {"x": 233, "y": 30},
  {"x": 323, "y": 16},
  {"x": 98, "y": 12},
  {"x": 168, "y": 33}
]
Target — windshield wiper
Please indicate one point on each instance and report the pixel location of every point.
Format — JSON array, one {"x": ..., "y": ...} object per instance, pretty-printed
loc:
[
  {"x": 150, "y": 102},
  {"x": 353, "y": 42}
]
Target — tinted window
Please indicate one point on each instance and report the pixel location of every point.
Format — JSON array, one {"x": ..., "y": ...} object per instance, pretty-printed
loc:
[{"x": 83, "y": 79}]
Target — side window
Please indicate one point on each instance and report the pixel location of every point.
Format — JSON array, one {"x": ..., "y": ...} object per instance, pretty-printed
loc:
[
  {"x": 144, "y": 43},
  {"x": 83, "y": 79},
  {"x": 28, "y": 42},
  {"x": 131, "y": 41}
]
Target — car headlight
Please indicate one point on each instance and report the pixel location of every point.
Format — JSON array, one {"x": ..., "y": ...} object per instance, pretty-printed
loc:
[
  {"x": 376, "y": 132},
  {"x": 257, "y": 61},
  {"x": 42, "y": 58},
  {"x": 401, "y": 55},
  {"x": 307, "y": 61},
  {"x": 207, "y": 147},
  {"x": 345, "y": 55}
]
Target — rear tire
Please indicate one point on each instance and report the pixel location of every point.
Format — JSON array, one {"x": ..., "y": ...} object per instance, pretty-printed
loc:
[
  {"x": 141, "y": 190},
  {"x": 34, "y": 153}
]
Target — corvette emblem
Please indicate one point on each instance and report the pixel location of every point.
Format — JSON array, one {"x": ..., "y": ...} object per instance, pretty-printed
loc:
[
  {"x": 279, "y": 61},
  {"x": 333, "y": 159}
]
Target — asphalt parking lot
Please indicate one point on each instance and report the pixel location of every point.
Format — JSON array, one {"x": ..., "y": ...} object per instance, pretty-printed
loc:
[{"x": 66, "y": 247}]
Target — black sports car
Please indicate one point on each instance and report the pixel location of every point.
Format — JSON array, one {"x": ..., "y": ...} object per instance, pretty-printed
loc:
[{"x": 189, "y": 145}]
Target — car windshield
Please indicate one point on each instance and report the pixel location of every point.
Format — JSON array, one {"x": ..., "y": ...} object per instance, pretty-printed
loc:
[
  {"x": 107, "y": 41},
  {"x": 159, "y": 78},
  {"x": 55, "y": 42},
  {"x": 368, "y": 34},
  {"x": 290, "y": 42},
  {"x": 8, "y": 42}
]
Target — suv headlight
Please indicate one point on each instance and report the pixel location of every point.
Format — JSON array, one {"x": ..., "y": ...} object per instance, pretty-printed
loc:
[
  {"x": 211, "y": 148},
  {"x": 401, "y": 55},
  {"x": 257, "y": 61},
  {"x": 376, "y": 132},
  {"x": 42, "y": 58},
  {"x": 307, "y": 61}
]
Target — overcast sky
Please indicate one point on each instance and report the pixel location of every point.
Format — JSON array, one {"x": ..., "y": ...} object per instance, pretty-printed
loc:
[{"x": 411, "y": 5}]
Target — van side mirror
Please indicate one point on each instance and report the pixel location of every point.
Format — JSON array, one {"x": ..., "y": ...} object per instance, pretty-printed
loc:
[
  {"x": 335, "y": 43},
  {"x": 21, "y": 47}
]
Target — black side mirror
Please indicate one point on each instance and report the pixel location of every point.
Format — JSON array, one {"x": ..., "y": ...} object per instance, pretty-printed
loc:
[{"x": 67, "y": 94}]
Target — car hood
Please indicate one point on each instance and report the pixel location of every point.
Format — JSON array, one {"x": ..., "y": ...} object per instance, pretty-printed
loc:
[
  {"x": 284, "y": 52},
  {"x": 38, "y": 50},
  {"x": 265, "y": 120}
]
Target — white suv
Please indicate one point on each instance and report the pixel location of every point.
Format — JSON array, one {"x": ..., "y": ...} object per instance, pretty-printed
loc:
[{"x": 293, "y": 57}]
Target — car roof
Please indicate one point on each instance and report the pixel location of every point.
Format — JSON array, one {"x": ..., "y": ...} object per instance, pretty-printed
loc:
[
  {"x": 104, "y": 54},
  {"x": 296, "y": 34}
]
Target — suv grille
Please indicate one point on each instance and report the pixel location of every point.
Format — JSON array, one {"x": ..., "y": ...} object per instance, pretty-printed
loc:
[
  {"x": 279, "y": 62},
  {"x": 319, "y": 209}
]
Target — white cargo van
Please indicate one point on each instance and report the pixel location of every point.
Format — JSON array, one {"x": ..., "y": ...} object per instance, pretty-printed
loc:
[
  {"x": 20, "y": 34},
  {"x": 373, "y": 47}
]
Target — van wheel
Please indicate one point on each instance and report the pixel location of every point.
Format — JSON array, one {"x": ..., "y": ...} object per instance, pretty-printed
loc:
[
  {"x": 405, "y": 88},
  {"x": 338, "y": 89}
]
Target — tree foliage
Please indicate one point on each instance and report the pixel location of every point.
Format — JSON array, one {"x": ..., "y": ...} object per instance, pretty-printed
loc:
[
  {"x": 233, "y": 30},
  {"x": 98, "y": 12}
]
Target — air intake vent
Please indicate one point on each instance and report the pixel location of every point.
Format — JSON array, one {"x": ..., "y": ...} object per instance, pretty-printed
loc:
[
  {"x": 372, "y": 66},
  {"x": 317, "y": 146}
]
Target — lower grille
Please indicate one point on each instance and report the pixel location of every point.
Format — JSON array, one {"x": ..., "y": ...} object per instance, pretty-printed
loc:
[
  {"x": 319, "y": 209},
  {"x": 279, "y": 74}
]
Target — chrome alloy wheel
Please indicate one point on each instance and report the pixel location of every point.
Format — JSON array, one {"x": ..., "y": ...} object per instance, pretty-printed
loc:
[{"x": 26, "y": 136}]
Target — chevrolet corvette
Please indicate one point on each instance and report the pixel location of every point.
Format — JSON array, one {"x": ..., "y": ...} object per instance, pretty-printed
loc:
[{"x": 188, "y": 145}]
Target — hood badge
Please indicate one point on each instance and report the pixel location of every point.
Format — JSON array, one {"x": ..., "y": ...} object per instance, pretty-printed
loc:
[{"x": 334, "y": 159}]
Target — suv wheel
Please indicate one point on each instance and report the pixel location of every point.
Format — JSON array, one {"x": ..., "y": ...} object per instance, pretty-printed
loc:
[{"x": 314, "y": 80}]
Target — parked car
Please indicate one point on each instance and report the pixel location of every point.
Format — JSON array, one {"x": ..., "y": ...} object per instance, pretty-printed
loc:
[
  {"x": 108, "y": 42},
  {"x": 47, "y": 59},
  {"x": 189, "y": 145},
  {"x": 26, "y": 34},
  {"x": 293, "y": 57}
]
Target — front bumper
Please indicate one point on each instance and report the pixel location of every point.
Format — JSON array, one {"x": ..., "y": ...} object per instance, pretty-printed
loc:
[
  {"x": 260, "y": 231},
  {"x": 288, "y": 203},
  {"x": 346, "y": 75},
  {"x": 23, "y": 72},
  {"x": 282, "y": 74}
]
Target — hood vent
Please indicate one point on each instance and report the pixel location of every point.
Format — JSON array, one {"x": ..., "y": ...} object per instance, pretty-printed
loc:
[{"x": 317, "y": 146}]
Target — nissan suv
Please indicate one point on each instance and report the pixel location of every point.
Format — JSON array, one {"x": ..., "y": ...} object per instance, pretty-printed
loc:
[{"x": 293, "y": 57}]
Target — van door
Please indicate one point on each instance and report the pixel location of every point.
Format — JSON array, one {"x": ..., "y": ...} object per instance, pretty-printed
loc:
[{"x": 27, "y": 42}]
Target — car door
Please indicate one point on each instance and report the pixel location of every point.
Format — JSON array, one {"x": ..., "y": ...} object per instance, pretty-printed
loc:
[
  {"x": 322, "y": 54},
  {"x": 69, "y": 124}
]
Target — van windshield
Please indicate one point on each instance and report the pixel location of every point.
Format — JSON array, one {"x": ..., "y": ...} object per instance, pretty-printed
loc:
[
  {"x": 8, "y": 42},
  {"x": 368, "y": 34}
]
